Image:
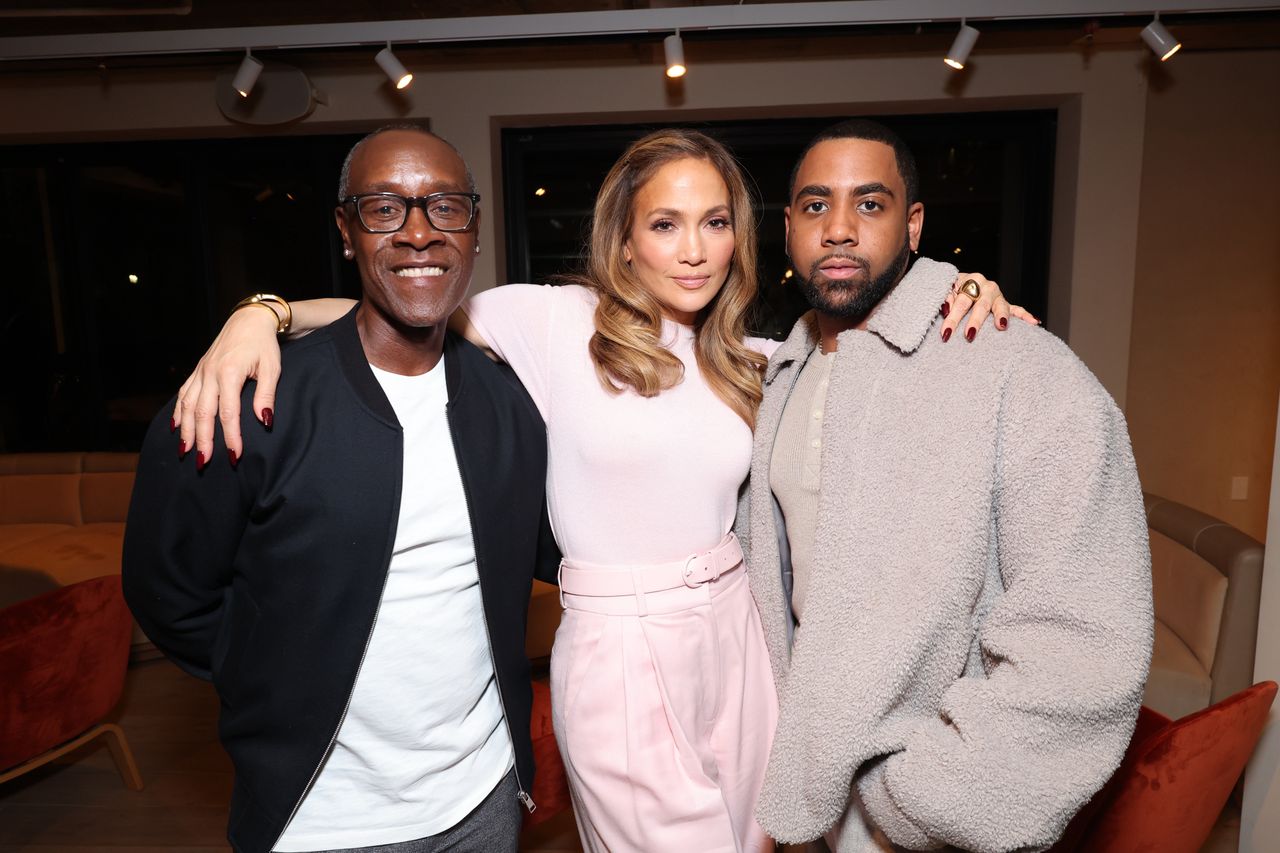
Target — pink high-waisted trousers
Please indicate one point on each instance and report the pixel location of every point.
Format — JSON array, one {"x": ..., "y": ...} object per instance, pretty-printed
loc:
[{"x": 664, "y": 709}]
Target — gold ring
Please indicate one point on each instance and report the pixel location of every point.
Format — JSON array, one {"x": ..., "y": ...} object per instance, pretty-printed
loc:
[{"x": 970, "y": 289}]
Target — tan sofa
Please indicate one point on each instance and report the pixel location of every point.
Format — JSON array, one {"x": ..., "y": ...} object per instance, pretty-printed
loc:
[
  {"x": 1206, "y": 578},
  {"x": 62, "y": 520}
]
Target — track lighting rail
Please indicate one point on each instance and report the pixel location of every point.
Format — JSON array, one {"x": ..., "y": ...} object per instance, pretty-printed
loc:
[{"x": 497, "y": 28}]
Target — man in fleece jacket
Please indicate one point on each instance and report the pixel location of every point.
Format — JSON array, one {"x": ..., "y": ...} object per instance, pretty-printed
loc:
[{"x": 949, "y": 550}]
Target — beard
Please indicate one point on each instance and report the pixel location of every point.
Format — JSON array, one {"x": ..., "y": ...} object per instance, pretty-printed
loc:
[{"x": 853, "y": 298}]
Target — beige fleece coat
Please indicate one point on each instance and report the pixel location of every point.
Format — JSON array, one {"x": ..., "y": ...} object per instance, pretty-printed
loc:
[{"x": 979, "y": 624}]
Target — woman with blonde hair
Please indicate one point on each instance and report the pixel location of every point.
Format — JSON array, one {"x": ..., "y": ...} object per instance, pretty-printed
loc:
[{"x": 662, "y": 695}]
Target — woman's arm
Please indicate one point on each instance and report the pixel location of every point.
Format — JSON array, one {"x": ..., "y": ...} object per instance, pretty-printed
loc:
[
  {"x": 244, "y": 349},
  {"x": 460, "y": 323}
]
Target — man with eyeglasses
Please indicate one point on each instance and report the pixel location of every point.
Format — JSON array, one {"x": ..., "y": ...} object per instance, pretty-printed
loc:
[{"x": 356, "y": 585}]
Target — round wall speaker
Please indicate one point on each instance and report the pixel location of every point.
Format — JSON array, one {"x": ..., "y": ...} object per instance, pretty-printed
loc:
[{"x": 282, "y": 94}]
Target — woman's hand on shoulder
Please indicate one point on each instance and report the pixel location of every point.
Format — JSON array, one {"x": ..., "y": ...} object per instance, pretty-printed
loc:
[
  {"x": 959, "y": 306},
  {"x": 246, "y": 348}
]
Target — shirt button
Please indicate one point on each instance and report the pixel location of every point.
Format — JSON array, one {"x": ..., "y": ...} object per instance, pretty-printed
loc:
[
  {"x": 817, "y": 414},
  {"x": 816, "y": 443}
]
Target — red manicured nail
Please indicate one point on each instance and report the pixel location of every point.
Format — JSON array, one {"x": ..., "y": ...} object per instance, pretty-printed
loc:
[
  {"x": 1003, "y": 323},
  {"x": 268, "y": 418},
  {"x": 172, "y": 425},
  {"x": 946, "y": 311},
  {"x": 182, "y": 449},
  {"x": 946, "y": 335},
  {"x": 200, "y": 460},
  {"x": 231, "y": 454},
  {"x": 970, "y": 334}
]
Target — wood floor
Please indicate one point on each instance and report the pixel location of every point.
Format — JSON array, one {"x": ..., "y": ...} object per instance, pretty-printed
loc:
[{"x": 79, "y": 804}]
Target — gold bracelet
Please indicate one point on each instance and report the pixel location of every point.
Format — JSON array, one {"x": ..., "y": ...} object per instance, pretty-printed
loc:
[
  {"x": 248, "y": 304},
  {"x": 282, "y": 325}
]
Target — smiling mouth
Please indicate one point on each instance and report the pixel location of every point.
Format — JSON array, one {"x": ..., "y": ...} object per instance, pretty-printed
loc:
[{"x": 419, "y": 272}]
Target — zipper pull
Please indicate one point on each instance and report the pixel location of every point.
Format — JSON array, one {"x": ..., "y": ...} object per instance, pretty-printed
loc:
[{"x": 527, "y": 801}]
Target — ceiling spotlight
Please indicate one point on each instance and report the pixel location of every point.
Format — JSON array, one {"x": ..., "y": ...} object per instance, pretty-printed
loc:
[
  {"x": 396, "y": 73},
  {"x": 1160, "y": 40},
  {"x": 960, "y": 48},
  {"x": 246, "y": 74},
  {"x": 673, "y": 47}
]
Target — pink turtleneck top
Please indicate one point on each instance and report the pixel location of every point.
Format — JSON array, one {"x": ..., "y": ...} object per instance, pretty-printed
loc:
[{"x": 630, "y": 480}]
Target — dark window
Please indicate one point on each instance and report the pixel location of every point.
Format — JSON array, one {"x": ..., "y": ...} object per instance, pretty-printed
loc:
[
  {"x": 124, "y": 259},
  {"x": 986, "y": 180}
]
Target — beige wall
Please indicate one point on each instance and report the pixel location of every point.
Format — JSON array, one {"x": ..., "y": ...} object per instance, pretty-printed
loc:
[
  {"x": 465, "y": 94},
  {"x": 1204, "y": 364},
  {"x": 1260, "y": 812},
  {"x": 1165, "y": 271},
  {"x": 1154, "y": 216}
]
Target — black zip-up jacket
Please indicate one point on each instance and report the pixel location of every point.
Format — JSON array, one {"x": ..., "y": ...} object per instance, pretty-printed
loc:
[{"x": 266, "y": 578}]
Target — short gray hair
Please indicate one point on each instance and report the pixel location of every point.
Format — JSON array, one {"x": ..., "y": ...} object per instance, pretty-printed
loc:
[{"x": 344, "y": 178}]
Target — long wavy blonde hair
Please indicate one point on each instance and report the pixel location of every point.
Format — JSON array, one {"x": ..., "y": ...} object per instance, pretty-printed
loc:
[{"x": 627, "y": 344}]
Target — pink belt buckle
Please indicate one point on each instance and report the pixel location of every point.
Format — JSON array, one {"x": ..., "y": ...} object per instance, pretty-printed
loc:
[{"x": 699, "y": 569}]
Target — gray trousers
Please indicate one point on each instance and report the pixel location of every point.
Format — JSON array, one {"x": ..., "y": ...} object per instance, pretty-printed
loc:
[{"x": 492, "y": 827}]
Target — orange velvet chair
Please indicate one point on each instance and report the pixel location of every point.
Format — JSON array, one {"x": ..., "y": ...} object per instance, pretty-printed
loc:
[
  {"x": 1174, "y": 781},
  {"x": 62, "y": 663}
]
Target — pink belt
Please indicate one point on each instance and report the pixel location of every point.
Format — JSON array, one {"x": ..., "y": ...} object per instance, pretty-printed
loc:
[{"x": 692, "y": 572}]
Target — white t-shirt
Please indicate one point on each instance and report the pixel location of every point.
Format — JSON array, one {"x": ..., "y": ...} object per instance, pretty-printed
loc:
[{"x": 423, "y": 741}]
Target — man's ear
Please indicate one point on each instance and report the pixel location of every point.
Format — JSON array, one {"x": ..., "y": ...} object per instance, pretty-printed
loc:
[
  {"x": 340, "y": 217},
  {"x": 786, "y": 224},
  {"x": 915, "y": 224}
]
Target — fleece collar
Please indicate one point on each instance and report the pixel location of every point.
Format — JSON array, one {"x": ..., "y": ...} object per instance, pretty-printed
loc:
[{"x": 902, "y": 318}]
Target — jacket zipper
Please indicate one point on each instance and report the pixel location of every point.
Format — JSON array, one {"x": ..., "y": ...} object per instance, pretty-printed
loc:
[
  {"x": 386, "y": 575},
  {"x": 521, "y": 794}
]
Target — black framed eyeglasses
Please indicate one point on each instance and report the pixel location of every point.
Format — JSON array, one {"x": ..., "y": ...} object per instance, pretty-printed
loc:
[{"x": 383, "y": 213}]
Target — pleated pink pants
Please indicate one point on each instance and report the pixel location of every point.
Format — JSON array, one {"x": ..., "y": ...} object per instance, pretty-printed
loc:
[{"x": 665, "y": 720}]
